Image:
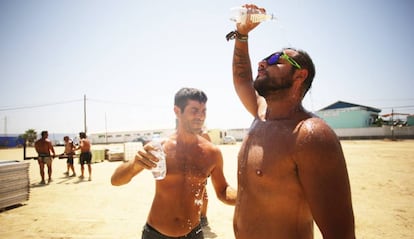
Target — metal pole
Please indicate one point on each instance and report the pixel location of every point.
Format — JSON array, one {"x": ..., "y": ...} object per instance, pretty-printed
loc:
[
  {"x": 106, "y": 130},
  {"x": 84, "y": 113},
  {"x": 24, "y": 149},
  {"x": 392, "y": 124}
]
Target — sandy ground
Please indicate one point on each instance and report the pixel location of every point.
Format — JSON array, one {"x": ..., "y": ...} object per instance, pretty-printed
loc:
[{"x": 381, "y": 175}]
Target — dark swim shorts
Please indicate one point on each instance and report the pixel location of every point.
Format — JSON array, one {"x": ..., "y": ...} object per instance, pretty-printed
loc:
[
  {"x": 150, "y": 233},
  {"x": 85, "y": 157},
  {"x": 44, "y": 158},
  {"x": 70, "y": 158}
]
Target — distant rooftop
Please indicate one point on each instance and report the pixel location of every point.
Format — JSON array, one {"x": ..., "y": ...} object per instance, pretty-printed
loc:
[{"x": 343, "y": 104}]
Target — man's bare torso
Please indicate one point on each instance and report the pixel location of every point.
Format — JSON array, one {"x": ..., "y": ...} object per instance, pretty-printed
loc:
[
  {"x": 188, "y": 167},
  {"x": 43, "y": 146},
  {"x": 268, "y": 184},
  {"x": 85, "y": 146},
  {"x": 69, "y": 148}
]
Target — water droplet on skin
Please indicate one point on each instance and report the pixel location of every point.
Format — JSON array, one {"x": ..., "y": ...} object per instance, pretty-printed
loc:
[
  {"x": 259, "y": 172},
  {"x": 310, "y": 126},
  {"x": 198, "y": 202},
  {"x": 189, "y": 224}
]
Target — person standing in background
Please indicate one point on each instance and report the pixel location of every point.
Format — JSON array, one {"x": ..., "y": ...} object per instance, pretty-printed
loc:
[
  {"x": 86, "y": 155},
  {"x": 69, "y": 153},
  {"x": 46, "y": 152}
]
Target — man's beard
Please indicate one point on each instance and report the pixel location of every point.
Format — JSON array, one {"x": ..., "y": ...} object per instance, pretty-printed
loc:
[{"x": 267, "y": 86}]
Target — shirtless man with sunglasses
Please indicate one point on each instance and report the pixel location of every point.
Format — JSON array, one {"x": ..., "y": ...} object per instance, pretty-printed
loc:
[{"x": 291, "y": 168}]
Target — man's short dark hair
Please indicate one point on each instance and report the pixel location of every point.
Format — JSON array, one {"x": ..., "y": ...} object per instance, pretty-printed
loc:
[
  {"x": 184, "y": 94},
  {"x": 82, "y": 135},
  {"x": 305, "y": 61}
]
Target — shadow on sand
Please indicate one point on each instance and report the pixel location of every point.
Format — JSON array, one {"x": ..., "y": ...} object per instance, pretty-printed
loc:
[{"x": 61, "y": 180}]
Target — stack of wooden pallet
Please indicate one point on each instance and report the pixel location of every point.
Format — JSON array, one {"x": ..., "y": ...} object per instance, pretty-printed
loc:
[
  {"x": 14, "y": 183},
  {"x": 115, "y": 156}
]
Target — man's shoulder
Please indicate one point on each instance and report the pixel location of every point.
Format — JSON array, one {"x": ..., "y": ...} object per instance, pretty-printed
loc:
[
  {"x": 315, "y": 130},
  {"x": 316, "y": 141},
  {"x": 215, "y": 151},
  {"x": 85, "y": 141},
  {"x": 203, "y": 140},
  {"x": 43, "y": 141},
  {"x": 207, "y": 145},
  {"x": 206, "y": 136},
  {"x": 315, "y": 122}
]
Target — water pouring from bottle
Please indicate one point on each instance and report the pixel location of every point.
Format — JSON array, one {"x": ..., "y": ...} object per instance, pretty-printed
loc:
[{"x": 241, "y": 14}]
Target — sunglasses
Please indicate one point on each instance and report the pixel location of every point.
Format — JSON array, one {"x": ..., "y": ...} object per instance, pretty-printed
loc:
[{"x": 274, "y": 58}]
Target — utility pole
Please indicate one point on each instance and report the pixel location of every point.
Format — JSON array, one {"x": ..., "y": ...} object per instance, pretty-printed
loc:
[
  {"x": 392, "y": 124},
  {"x": 106, "y": 130},
  {"x": 84, "y": 113}
]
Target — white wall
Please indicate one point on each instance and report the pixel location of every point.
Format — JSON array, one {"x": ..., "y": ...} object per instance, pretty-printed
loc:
[{"x": 377, "y": 132}]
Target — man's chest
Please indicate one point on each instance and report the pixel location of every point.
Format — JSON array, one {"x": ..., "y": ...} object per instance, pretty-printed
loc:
[
  {"x": 190, "y": 164},
  {"x": 268, "y": 151}
]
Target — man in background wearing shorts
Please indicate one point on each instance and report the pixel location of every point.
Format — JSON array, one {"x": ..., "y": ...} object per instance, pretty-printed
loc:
[
  {"x": 86, "y": 155},
  {"x": 69, "y": 152},
  {"x": 46, "y": 152}
]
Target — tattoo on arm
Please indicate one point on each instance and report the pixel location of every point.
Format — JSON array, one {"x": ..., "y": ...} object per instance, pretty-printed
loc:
[{"x": 241, "y": 64}]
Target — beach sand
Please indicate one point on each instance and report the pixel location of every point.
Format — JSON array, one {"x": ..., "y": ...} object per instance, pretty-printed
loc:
[{"x": 380, "y": 171}]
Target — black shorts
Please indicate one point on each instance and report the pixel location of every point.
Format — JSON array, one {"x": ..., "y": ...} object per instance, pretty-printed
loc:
[
  {"x": 70, "y": 159},
  {"x": 150, "y": 233},
  {"x": 85, "y": 157},
  {"x": 44, "y": 158}
]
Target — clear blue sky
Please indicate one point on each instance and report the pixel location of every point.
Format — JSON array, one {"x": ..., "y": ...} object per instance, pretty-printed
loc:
[{"x": 129, "y": 57}]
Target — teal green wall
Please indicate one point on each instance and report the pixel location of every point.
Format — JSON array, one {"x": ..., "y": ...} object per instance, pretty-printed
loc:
[
  {"x": 338, "y": 119},
  {"x": 410, "y": 120}
]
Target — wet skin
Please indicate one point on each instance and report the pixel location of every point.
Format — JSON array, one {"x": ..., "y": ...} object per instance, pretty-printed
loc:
[
  {"x": 190, "y": 159},
  {"x": 282, "y": 179}
]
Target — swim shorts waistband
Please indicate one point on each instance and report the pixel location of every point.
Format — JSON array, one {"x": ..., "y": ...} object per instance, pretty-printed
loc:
[
  {"x": 151, "y": 233},
  {"x": 44, "y": 155}
]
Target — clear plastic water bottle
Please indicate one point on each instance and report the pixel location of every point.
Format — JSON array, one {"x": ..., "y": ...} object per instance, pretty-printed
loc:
[
  {"x": 241, "y": 14},
  {"x": 160, "y": 170}
]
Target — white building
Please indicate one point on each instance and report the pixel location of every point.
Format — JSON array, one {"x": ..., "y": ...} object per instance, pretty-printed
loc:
[{"x": 127, "y": 136}]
